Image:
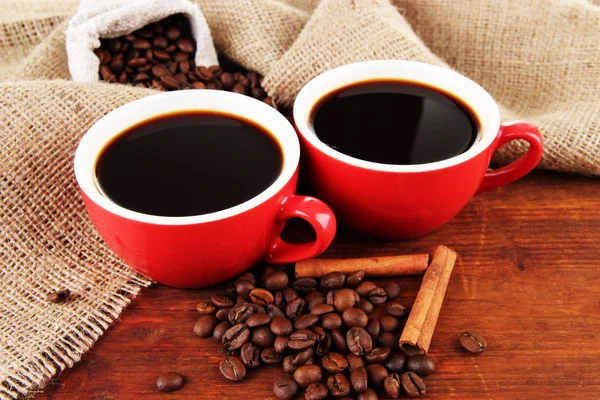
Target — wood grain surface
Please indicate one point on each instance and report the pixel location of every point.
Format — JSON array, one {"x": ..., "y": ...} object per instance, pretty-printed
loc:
[{"x": 527, "y": 278}]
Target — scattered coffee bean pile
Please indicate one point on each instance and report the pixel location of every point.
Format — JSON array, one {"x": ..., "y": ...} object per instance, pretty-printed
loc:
[
  {"x": 337, "y": 336},
  {"x": 161, "y": 56}
]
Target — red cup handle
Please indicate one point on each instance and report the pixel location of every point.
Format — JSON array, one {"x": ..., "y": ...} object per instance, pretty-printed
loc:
[
  {"x": 318, "y": 215},
  {"x": 515, "y": 170}
]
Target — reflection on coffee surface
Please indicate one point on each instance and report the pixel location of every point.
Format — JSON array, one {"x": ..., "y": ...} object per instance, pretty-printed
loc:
[
  {"x": 188, "y": 163},
  {"x": 394, "y": 122}
]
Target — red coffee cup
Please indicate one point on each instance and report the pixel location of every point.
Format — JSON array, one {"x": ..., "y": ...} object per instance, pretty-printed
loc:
[
  {"x": 405, "y": 201},
  {"x": 203, "y": 250}
]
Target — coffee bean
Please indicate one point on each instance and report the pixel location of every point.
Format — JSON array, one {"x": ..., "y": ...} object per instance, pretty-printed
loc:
[
  {"x": 277, "y": 281},
  {"x": 314, "y": 298},
  {"x": 315, "y": 391},
  {"x": 365, "y": 305},
  {"x": 374, "y": 327},
  {"x": 324, "y": 344},
  {"x": 334, "y": 362},
  {"x": 129, "y": 38},
  {"x": 330, "y": 298},
  {"x": 364, "y": 288},
  {"x": 473, "y": 342},
  {"x": 113, "y": 45},
  {"x": 184, "y": 66},
  {"x": 140, "y": 44},
  {"x": 377, "y": 374},
  {"x": 247, "y": 276},
  {"x": 302, "y": 339},
  {"x": 285, "y": 389},
  {"x": 169, "y": 382},
  {"x": 413, "y": 385},
  {"x": 354, "y": 362},
  {"x": 262, "y": 336},
  {"x": 59, "y": 296},
  {"x": 331, "y": 321},
  {"x": 307, "y": 374},
  {"x": 227, "y": 80},
  {"x": 185, "y": 45},
  {"x": 289, "y": 294},
  {"x": 220, "y": 330},
  {"x": 144, "y": 33},
  {"x": 137, "y": 62},
  {"x": 359, "y": 341},
  {"x": 206, "y": 74},
  {"x": 396, "y": 362},
  {"x": 243, "y": 287},
  {"x": 206, "y": 308},
  {"x": 171, "y": 49},
  {"x": 223, "y": 314},
  {"x": 355, "y": 317},
  {"x": 370, "y": 394},
  {"x": 238, "y": 88},
  {"x": 321, "y": 309},
  {"x": 235, "y": 337},
  {"x": 258, "y": 320},
  {"x": 270, "y": 356},
  {"x": 159, "y": 42},
  {"x": 388, "y": 339},
  {"x": 295, "y": 308},
  {"x": 305, "y": 285},
  {"x": 161, "y": 55},
  {"x": 396, "y": 309},
  {"x": 124, "y": 46},
  {"x": 261, "y": 297},
  {"x": 377, "y": 296},
  {"x": 116, "y": 65},
  {"x": 388, "y": 323},
  {"x": 205, "y": 326},
  {"x": 258, "y": 309},
  {"x": 173, "y": 33},
  {"x": 275, "y": 312},
  {"x": 345, "y": 298},
  {"x": 355, "y": 278},
  {"x": 339, "y": 341},
  {"x": 338, "y": 385},
  {"x": 122, "y": 77},
  {"x": 257, "y": 93},
  {"x": 306, "y": 321},
  {"x": 287, "y": 365},
  {"x": 319, "y": 332},
  {"x": 391, "y": 289},
  {"x": 421, "y": 365},
  {"x": 103, "y": 56},
  {"x": 281, "y": 326},
  {"x": 391, "y": 385},
  {"x": 221, "y": 301},
  {"x": 253, "y": 78},
  {"x": 302, "y": 357},
  {"x": 233, "y": 369},
  {"x": 333, "y": 280},
  {"x": 250, "y": 355},
  {"x": 378, "y": 355},
  {"x": 240, "y": 313},
  {"x": 107, "y": 74},
  {"x": 198, "y": 85},
  {"x": 281, "y": 344},
  {"x": 358, "y": 377}
]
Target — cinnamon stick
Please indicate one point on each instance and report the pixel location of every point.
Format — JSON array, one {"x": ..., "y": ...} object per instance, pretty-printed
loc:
[
  {"x": 414, "y": 264},
  {"x": 418, "y": 331}
]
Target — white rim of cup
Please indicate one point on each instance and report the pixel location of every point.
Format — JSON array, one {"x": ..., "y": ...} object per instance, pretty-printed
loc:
[
  {"x": 119, "y": 120},
  {"x": 479, "y": 100}
]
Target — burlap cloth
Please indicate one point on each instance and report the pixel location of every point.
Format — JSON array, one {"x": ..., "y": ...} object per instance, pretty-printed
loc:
[{"x": 539, "y": 58}]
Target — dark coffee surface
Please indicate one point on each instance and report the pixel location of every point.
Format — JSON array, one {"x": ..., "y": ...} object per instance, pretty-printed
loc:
[
  {"x": 188, "y": 163},
  {"x": 394, "y": 122}
]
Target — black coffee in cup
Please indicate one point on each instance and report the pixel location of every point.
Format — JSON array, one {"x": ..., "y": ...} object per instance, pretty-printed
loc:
[
  {"x": 188, "y": 163},
  {"x": 395, "y": 122}
]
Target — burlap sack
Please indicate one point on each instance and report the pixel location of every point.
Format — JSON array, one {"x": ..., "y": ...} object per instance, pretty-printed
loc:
[{"x": 539, "y": 59}]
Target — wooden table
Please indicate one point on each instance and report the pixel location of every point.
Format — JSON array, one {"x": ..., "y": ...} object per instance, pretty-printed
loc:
[{"x": 528, "y": 279}]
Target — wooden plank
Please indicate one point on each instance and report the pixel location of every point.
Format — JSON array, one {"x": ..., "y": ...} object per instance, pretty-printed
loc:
[{"x": 527, "y": 278}]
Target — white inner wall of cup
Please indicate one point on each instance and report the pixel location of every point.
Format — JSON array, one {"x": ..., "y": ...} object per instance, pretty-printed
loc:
[
  {"x": 119, "y": 120},
  {"x": 479, "y": 101}
]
